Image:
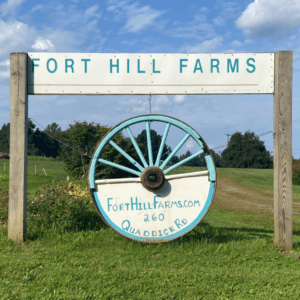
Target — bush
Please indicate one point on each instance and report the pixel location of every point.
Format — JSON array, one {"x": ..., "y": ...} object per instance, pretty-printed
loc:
[
  {"x": 3, "y": 204},
  {"x": 66, "y": 207},
  {"x": 296, "y": 172}
]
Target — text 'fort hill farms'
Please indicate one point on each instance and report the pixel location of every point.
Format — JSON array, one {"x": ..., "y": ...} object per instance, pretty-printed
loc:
[{"x": 103, "y": 73}]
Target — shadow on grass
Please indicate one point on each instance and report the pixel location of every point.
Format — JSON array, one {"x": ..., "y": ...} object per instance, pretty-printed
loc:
[
  {"x": 210, "y": 234},
  {"x": 205, "y": 233}
]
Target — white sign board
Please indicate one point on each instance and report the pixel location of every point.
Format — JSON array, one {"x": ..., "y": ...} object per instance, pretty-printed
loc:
[
  {"x": 108, "y": 74},
  {"x": 155, "y": 216}
]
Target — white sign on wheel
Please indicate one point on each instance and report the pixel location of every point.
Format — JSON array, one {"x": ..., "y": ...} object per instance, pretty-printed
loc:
[
  {"x": 153, "y": 207},
  {"x": 164, "y": 214}
]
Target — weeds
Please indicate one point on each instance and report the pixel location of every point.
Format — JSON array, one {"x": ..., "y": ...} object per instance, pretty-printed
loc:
[{"x": 63, "y": 207}]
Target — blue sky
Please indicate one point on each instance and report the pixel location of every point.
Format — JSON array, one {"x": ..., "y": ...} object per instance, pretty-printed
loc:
[{"x": 154, "y": 27}]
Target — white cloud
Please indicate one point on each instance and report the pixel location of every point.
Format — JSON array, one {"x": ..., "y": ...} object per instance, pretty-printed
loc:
[
  {"x": 219, "y": 21},
  {"x": 159, "y": 102},
  {"x": 236, "y": 43},
  {"x": 140, "y": 18},
  {"x": 38, "y": 7},
  {"x": 189, "y": 145},
  {"x": 92, "y": 11},
  {"x": 204, "y": 9},
  {"x": 179, "y": 99},
  {"x": 130, "y": 43},
  {"x": 142, "y": 106},
  {"x": 229, "y": 11},
  {"x": 43, "y": 44},
  {"x": 71, "y": 17},
  {"x": 206, "y": 46},
  {"x": 197, "y": 28},
  {"x": 70, "y": 27},
  {"x": 264, "y": 18},
  {"x": 9, "y": 6},
  {"x": 136, "y": 106},
  {"x": 19, "y": 37},
  {"x": 15, "y": 37},
  {"x": 137, "y": 17}
]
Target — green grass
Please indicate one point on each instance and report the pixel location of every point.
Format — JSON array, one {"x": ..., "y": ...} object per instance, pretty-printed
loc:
[
  {"x": 185, "y": 169},
  {"x": 52, "y": 167},
  {"x": 222, "y": 258},
  {"x": 261, "y": 179},
  {"x": 227, "y": 256}
]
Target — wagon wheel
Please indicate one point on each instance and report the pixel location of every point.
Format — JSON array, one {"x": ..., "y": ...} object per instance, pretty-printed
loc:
[{"x": 152, "y": 174}]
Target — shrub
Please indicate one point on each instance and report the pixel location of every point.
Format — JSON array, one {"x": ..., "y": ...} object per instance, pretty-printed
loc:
[
  {"x": 296, "y": 172},
  {"x": 3, "y": 204},
  {"x": 65, "y": 207}
]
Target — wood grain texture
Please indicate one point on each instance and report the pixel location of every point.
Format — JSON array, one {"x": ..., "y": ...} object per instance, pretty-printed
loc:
[
  {"x": 283, "y": 149},
  {"x": 18, "y": 147}
]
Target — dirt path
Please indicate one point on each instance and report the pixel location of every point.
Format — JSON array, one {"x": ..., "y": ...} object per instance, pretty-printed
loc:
[{"x": 234, "y": 196}]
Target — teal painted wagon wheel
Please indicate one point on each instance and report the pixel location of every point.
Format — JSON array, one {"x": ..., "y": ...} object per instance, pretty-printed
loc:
[{"x": 152, "y": 177}]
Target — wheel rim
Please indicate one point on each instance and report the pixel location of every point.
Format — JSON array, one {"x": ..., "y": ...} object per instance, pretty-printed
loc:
[{"x": 150, "y": 165}]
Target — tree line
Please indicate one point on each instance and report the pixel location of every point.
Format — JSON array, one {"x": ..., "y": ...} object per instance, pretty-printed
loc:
[{"x": 79, "y": 140}]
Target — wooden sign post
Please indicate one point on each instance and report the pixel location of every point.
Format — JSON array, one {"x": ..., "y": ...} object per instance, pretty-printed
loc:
[
  {"x": 18, "y": 147},
  {"x": 168, "y": 74},
  {"x": 282, "y": 122}
]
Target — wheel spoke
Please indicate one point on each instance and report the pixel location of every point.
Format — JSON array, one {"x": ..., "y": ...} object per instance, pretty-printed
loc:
[
  {"x": 174, "y": 151},
  {"x": 183, "y": 161},
  {"x": 119, "y": 166},
  {"x": 137, "y": 148},
  {"x": 149, "y": 144},
  {"x": 135, "y": 163},
  {"x": 162, "y": 144}
]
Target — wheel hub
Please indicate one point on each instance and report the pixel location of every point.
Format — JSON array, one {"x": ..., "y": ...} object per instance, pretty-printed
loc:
[{"x": 152, "y": 178}]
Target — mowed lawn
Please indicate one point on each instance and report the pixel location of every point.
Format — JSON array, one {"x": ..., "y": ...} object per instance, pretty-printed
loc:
[{"x": 229, "y": 255}]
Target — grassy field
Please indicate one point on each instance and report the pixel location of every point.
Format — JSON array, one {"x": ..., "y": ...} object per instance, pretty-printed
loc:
[
  {"x": 259, "y": 179},
  {"x": 36, "y": 176},
  {"x": 229, "y": 255}
]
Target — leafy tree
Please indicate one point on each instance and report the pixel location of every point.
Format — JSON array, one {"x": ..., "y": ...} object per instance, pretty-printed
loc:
[
  {"x": 246, "y": 151},
  {"x": 4, "y": 138},
  {"x": 32, "y": 149},
  {"x": 84, "y": 138},
  {"x": 38, "y": 142},
  {"x": 217, "y": 159},
  {"x": 174, "y": 160},
  {"x": 194, "y": 162},
  {"x": 44, "y": 144},
  {"x": 53, "y": 130},
  {"x": 155, "y": 143}
]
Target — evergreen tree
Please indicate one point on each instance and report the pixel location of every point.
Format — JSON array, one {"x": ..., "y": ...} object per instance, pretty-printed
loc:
[
  {"x": 174, "y": 160},
  {"x": 246, "y": 151},
  {"x": 4, "y": 138},
  {"x": 194, "y": 162},
  {"x": 53, "y": 130},
  {"x": 155, "y": 143}
]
